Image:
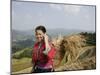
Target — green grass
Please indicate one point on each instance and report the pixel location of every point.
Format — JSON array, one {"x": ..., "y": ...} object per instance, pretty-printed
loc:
[
  {"x": 26, "y": 52},
  {"x": 20, "y": 64}
]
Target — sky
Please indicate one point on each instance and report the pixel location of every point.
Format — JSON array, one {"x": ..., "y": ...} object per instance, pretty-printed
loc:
[{"x": 28, "y": 15}]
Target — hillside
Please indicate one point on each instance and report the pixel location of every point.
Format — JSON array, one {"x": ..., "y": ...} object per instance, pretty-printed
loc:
[
  {"x": 74, "y": 52},
  {"x": 29, "y": 34},
  {"x": 22, "y": 35}
]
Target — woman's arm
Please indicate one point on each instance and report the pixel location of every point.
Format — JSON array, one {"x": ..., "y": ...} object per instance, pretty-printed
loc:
[
  {"x": 47, "y": 45},
  {"x": 50, "y": 50}
]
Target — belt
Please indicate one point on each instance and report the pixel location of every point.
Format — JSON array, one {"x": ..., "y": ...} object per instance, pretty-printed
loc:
[{"x": 45, "y": 67}]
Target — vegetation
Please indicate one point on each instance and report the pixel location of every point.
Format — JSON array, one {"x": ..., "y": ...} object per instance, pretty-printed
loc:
[
  {"x": 20, "y": 64},
  {"x": 90, "y": 38},
  {"x": 27, "y": 52},
  {"x": 74, "y": 52},
  {"x": 20, "y": 45}
]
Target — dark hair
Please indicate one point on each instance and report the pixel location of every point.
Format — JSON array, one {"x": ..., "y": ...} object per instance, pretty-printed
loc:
[{"x": 42, "y": 28}]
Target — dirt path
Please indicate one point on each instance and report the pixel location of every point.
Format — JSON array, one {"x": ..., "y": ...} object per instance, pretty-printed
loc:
[{"x": 27, "y": 70}]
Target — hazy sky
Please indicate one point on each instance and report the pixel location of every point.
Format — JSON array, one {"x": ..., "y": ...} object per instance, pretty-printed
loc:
[{"x": 27, "y": 15}]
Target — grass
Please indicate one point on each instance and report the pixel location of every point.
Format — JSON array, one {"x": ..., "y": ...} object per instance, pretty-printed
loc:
[{"x": 20, "y": 64}]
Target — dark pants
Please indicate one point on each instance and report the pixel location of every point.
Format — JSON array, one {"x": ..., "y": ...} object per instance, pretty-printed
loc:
[{"x": 38, "y": 70}]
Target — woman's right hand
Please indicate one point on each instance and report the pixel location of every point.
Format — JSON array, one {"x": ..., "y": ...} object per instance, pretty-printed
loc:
[{"x": 47, "y": 49}]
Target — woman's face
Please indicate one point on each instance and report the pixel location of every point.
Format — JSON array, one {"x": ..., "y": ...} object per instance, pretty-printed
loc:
[{"x": 39, "y": 35}]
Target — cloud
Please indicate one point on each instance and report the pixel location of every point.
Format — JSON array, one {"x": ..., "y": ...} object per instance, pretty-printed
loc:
[
  {"x": 72, "y": 9},
  {"x": 27, "y": 16},
  {"x": 68, "y": 9},
  {"x": 55, "y": 6}
]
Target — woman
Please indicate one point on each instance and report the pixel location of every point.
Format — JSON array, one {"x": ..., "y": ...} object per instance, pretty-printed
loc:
[{"x": 43, "y": 52}]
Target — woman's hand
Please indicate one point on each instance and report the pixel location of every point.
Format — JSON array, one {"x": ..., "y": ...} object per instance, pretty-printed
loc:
[
  {"x": 47, "y": 49},
  {"x": 46, "y": 38}
]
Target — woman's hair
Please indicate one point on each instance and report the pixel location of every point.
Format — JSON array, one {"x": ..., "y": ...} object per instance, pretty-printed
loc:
[{"x": 42, "y": 28}]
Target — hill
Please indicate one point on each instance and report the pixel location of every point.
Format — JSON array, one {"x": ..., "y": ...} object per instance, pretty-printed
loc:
[
  {"x": 74, "y": 52},
  {"x": 22, "y": 35}
]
